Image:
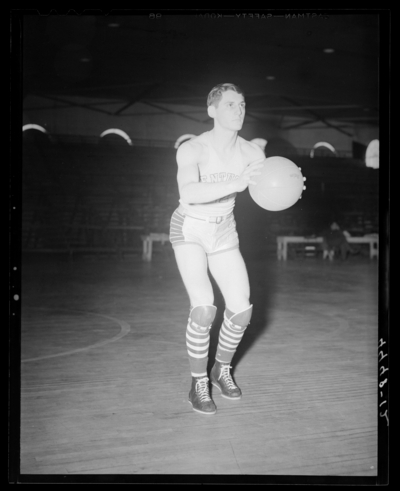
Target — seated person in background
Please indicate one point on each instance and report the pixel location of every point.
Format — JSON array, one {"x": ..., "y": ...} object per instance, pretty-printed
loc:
[{"x": 335, "y": 240}]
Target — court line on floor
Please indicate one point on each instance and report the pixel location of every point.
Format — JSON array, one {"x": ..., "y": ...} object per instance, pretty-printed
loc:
[{"x": 124, "y": 330}]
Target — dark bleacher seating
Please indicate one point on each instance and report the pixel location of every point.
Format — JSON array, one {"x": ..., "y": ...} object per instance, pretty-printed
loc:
[{"x": 84, "y": 196}]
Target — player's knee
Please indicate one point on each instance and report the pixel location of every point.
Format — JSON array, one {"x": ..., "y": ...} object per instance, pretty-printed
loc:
[
  {"x": 240, "y": 317},
  {"x": 202, "y": 316}
]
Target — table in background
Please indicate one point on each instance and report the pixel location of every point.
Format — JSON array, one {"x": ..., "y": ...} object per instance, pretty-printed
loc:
[
  {"x": 283, "y": 241},
  {"x": 148, "y": 243}
]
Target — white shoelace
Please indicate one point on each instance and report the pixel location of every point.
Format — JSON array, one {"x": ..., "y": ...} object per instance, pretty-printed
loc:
[
  {"x": 202, "y": 389},
  {"x": 226, "y": 376}
]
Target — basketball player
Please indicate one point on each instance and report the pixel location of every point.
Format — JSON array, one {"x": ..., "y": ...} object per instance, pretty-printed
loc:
[{"x": 212, "y": 168}]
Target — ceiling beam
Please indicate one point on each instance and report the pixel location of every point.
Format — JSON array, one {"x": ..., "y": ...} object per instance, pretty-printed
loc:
[
  {"x": 298, "y": 125},
  {"x": 172, "y": 112},
  {"x": 73, "y": 104},
  {"x": 318, "y": 117},
  {"x": 144, "y": 92},
  {"x": 304, "y": 107}
]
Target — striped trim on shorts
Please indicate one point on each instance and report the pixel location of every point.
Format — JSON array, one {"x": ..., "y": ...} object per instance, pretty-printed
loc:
[
  {"x": 176, "y": 233},
  {"x": 213, "y": 237}
]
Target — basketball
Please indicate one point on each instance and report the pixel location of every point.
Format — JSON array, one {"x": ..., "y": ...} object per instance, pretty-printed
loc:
[{"x": 279, "y": 186}]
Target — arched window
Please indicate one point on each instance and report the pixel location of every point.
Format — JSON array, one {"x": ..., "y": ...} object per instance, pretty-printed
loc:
[
  {"x": 116, "y": 131},
  {"x": 372, "y": 155},
  {"x": 34, "y": 127},
  {"x": 34, "y": 133},
  {"x": 182, "y": 139},
  {"x": 322, "y": 145}
]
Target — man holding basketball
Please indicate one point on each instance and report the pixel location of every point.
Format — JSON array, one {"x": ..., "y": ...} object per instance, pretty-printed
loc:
[{"x": 212, "y": 168}]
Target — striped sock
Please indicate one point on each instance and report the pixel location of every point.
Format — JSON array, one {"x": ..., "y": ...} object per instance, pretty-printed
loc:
[
  {"x": 198, "y": 338},
  {"x": 231, "y": 334}
]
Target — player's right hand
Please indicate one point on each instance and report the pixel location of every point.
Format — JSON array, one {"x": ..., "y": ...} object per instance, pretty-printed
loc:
[{"x": 249, "y": 172}]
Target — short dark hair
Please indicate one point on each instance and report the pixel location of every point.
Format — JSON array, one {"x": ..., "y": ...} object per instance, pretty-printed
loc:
[{"x": 215, "y": 94}]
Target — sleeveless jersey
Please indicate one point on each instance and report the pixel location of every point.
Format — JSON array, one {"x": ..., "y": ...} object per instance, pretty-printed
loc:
[{"x": 215, "y": 170}]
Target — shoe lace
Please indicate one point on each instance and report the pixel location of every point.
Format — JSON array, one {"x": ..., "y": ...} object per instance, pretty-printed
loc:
[
  {"x": 226, "y": 376},
  {"x": 203, "y": 390}
]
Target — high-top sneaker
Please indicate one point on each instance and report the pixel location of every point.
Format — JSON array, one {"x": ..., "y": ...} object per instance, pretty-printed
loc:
[
  {"x": 221, "y": 377},
  {"x": 199, "y": 396}
]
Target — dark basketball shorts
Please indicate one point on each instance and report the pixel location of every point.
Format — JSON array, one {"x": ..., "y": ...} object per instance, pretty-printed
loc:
[{"x": 213, "y": 234}]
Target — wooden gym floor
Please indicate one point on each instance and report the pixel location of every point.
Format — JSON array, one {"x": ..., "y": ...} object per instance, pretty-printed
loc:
[{"x": 105, "y": 375}]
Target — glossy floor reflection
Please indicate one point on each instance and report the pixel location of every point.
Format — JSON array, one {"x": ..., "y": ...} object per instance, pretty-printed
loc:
[{"x": 105, "y": 375}]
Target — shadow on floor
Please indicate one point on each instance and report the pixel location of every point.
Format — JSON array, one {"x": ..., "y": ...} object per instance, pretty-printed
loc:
[{"x": 262, "y": 276}]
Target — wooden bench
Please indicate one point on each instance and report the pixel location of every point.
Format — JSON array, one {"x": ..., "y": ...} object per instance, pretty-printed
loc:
[
  {"x": 148, "y": 244},
  {"x": 283, "y": 241}
]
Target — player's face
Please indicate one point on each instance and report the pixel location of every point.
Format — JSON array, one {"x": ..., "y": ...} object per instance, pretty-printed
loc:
[{"x": 230, "y": 111}]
